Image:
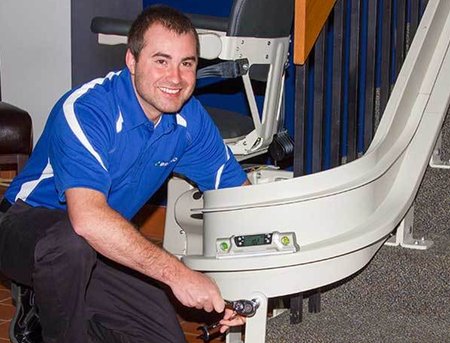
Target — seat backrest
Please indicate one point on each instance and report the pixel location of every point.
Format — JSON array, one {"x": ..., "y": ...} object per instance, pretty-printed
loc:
[{"x": 261, "y": 18}]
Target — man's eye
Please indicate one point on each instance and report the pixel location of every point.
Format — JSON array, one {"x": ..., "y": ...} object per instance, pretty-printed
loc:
[
  {"x": 188, "y": 64},
  {"x": 161, "y": 62}
]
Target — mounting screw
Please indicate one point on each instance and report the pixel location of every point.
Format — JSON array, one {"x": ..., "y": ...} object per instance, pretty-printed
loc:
[{"x": 197, "y": 195}]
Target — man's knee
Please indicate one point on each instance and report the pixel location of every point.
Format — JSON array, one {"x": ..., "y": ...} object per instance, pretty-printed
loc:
[
  {"x": 62, "y": 244},
  {"x": 16, "y": 249}
]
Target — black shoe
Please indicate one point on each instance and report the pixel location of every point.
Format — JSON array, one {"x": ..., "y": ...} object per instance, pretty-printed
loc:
[{"x": 25, "y": 326}]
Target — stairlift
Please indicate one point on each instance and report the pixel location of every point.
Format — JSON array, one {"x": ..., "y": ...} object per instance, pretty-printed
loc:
[{"x": 283, "y": 235}]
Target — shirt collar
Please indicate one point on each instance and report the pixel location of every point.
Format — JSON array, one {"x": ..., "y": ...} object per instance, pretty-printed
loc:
[{"x": 129, "y": 107}]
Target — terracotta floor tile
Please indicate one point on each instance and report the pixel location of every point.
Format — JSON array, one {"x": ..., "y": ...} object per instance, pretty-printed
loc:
[
  {"x": 5, "y": 294},
  {"x": 150, "y": 220},
  {"x": 4, "y": 284},
  {"x": 6, "y": 311},
  {"x": 194, "y": 339},
  {"x": 190, "y": 327},
  {"x": 4, "y": 330},
  {"x": 191, "y": 332},
  {"x": 7, "y": 301}
]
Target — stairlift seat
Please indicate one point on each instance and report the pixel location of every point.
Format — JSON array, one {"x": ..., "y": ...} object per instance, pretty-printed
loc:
[{"x": 231, "y": 125}]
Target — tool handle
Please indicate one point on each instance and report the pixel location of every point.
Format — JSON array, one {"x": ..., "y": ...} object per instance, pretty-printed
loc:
[{"x": 208, "y": 331}]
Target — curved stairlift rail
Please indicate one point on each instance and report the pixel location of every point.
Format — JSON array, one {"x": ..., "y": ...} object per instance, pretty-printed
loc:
[{"x": 340, "y": 216}]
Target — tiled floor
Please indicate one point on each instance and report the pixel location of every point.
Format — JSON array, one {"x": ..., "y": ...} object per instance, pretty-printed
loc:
[
  {"x": 189, "y": 320},
  {"x": 6, "y": 309},
  {"x": 6, "y": 306}
]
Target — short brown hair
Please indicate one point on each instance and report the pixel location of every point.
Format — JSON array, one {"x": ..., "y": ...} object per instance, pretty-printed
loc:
[{"x": 168, "y": 17}]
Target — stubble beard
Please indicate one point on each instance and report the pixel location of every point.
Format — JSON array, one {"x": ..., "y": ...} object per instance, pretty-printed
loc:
[{"x": 157, "y": 104}]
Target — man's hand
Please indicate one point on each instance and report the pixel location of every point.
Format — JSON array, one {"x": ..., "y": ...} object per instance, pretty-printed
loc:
[
  {"x": 230, "y": 318},
  {"x": 194, "y": 289}
]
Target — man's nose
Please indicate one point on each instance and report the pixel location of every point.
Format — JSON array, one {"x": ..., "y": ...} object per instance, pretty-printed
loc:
[{"x": 174, "y": 75}]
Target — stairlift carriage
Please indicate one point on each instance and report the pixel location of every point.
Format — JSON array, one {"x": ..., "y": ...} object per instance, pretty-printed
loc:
[{"x": 283, "y": 235}]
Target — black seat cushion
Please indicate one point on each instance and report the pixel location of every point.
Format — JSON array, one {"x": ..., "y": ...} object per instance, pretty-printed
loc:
[{"x": 231, "y": 124}]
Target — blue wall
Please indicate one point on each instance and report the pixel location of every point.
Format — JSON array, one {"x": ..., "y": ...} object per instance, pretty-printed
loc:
[
  {"x": 234, "y": 100},
  {"x": 214, "y": 7}
]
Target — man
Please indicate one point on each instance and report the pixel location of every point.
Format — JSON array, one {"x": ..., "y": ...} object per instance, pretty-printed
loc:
[{"x": 107, "y": 147}]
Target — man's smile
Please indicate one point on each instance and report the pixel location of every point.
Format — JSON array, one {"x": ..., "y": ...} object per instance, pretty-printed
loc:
[{"x": 170, "y": 90}]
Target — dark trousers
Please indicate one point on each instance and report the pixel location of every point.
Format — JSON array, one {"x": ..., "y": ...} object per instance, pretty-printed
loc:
[{"x": 81, "y": 297}]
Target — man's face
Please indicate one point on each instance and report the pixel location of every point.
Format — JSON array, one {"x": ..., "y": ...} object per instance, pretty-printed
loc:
[{"x": 164, "y": 74}]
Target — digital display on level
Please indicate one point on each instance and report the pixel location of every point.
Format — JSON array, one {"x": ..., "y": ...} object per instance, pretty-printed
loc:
[
  {"x": 260, "y": 244},
  {"x": 252, "y": 240}
]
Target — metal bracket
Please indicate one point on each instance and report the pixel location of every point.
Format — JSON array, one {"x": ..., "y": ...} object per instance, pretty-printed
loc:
[
  {"x": 234, "y": 335},
  {"x": 279, "y": 306},
  {"x": 404, "y": 235},
  {"x": 436, "y": 158}
]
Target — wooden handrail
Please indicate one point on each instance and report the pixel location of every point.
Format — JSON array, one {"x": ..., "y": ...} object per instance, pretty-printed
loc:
[{"x": 310, "y": 16}]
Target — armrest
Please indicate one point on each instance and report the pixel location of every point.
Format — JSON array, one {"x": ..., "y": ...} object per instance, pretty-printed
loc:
[
  {"x": 120, "y": 27},
  {"x": 208, "y": 22},
  {"x": 110, "y": 26}
]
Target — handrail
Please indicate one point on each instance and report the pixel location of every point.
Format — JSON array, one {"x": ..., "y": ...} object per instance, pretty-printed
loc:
[{"x": 310, "y": 17}]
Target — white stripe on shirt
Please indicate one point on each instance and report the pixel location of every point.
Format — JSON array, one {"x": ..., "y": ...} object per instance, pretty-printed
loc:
[
  {"x": 119, "y": 122},
  {"x": 220, "y": 170},
  {"x": 181, "y": 121},
  {"x": 28, "y": 187},
  {"x": 71, "y": 117}
]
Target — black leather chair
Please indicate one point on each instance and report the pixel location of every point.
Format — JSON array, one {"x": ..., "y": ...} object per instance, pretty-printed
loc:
[
  {"x": 16, "y": 142},
  {"x": 16, "y": 138}
]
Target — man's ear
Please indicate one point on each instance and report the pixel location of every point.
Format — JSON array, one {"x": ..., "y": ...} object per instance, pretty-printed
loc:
[{"x": 130, "y": 60}]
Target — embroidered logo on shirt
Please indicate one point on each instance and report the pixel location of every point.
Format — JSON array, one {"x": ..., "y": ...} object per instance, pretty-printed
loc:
[{"x": 165, "y": 163}]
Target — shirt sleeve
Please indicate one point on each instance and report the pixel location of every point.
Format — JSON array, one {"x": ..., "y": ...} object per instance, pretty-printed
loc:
[
  {"x": 79, "y": 148},
  {"x": 207, "y": 160}
]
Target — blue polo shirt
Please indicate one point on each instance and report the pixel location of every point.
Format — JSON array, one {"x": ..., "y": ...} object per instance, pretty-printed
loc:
[{"x": 98, "y": 137}]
